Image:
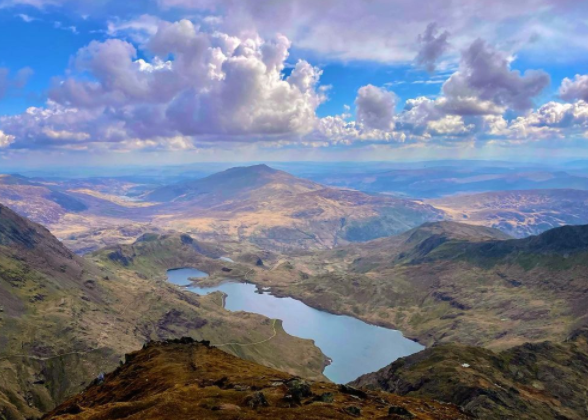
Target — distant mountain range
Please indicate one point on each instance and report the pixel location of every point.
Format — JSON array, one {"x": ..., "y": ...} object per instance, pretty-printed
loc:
[
  {"x": 258, "y": 204},
  {"x": 441, "y": 181},
  {"x": 518, "y": 213},
  {"x": 280, "y": 212}
]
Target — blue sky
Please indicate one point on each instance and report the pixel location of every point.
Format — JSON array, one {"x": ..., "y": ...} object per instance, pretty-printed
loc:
[{"x": 190, "y": 80}]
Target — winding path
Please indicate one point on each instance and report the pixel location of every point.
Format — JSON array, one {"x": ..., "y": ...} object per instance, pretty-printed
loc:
[{"x": 251, "y": 344}]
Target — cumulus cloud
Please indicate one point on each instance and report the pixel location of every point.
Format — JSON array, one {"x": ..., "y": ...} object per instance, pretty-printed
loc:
[
  {"x": 552, "y": 119},
  {"x": 5, "y": 139},
  {"x": 485, "y": 74},
  {"x": 210, "y": 86},
  {"x": 472, "y": 104},
  {"x": 577, "y": 88},
  {"x": 431, "y": 47},
  {"x": 375, "y": 107}
]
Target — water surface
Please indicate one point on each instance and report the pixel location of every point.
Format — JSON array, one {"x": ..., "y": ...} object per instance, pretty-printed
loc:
[
  {"x": 354, "y": 346},
  {"x": 182, "y": 276}
]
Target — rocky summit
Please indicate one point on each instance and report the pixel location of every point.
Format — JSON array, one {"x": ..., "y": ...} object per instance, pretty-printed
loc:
[{"x": 185, "y": 379}]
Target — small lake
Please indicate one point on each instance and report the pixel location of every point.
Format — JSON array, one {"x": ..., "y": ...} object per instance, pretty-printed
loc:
[
  {"x": 354, "y": 346},
  {"x": 182, "y": 276}
]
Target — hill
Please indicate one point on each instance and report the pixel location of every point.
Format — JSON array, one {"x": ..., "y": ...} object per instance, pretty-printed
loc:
[
  {"x": 34, "y": 200},
  {"x": 186, "y": 380},
  {"x": 440, "y": 179},
  {"x": 232, "y": 184},
  {"x": 518, "y": 213},
  {"x": 278, "y": 211},
  {"x": 448, "y": 282},
  {"x": 257, "y": 204},
  {"x": 64, "y": 319},
  {"x": 533, "y": 381}
]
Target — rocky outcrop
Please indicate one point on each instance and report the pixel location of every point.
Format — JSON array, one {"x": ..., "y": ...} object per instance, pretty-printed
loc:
[
  {"x": 533, "y": 381},
  {"x": 183, "y": 379}
]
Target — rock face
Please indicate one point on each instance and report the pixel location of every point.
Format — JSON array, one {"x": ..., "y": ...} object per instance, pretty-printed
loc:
[
  {"x": 182, "y": 379},
  {"x": 533, "y": 381}
]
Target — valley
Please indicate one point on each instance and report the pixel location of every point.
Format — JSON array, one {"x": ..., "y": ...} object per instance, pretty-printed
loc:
[
  {"x": 446, "y": 282},
  {"x": 65, "y": 319},
  {"x": 291, "y": 265},
  {"x": 353, "y": 347}
]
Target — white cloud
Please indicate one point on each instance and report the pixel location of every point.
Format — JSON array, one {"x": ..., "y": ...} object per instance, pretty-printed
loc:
[
  {"x": 26, "y": 18},
  {"x": 375, "y": 107},
  {"x": 485, "y": 74},
  {"x": 139, "y": 30},
  {"x": 5, "y": 140},
  {"x": 449, "y": 125},
  {"x": 577, "y": 88},
  {"x": 215, "y": 88}
]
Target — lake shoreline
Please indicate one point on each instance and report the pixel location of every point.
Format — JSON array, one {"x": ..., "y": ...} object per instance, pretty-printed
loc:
[
  {"x": 352, "y": 346},
  {"x": 214, "y": 281}
]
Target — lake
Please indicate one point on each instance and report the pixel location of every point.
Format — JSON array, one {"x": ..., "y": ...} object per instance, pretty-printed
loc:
[{"x": 354, "y": 346}]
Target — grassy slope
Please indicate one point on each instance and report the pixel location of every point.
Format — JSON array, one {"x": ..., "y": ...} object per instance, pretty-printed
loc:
[
  {"x": 528, "y": 382},
  {"x": 64, "y": 319},
  {"x": 187, "y": 381},
  {"x": 448, "y": 283}
]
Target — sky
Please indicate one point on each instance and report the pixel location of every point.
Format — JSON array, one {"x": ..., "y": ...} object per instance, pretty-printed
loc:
[{"x": 104, "y": 82}]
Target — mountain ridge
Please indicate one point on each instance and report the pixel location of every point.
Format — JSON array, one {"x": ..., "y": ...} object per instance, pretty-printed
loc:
[
  {"x": 181, "y": 379},
  {"x": 532, "y": 381},
  {"x": 64, "y": 318}
]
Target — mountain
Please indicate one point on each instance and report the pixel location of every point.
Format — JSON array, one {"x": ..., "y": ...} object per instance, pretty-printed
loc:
[
  {"x": 279, "y": 211},
  {"x": 518, "y": 213},
  {"x": 258, "y": 204},
  {"x": 533, "y": 381},
  {"x": 64, "y": 318},
  {"x": 439, "y": 180},
  {"x": 182, "y": 379},
  {"x": 40, "y": 202},
  {"x": 448, "y": 282},
  {"x": 233, "y": 184}
]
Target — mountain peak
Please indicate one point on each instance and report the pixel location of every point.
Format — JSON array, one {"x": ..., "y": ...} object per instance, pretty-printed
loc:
[
  {"x": 230, "y": 184},
  {"x": 262, "y": 167}
]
